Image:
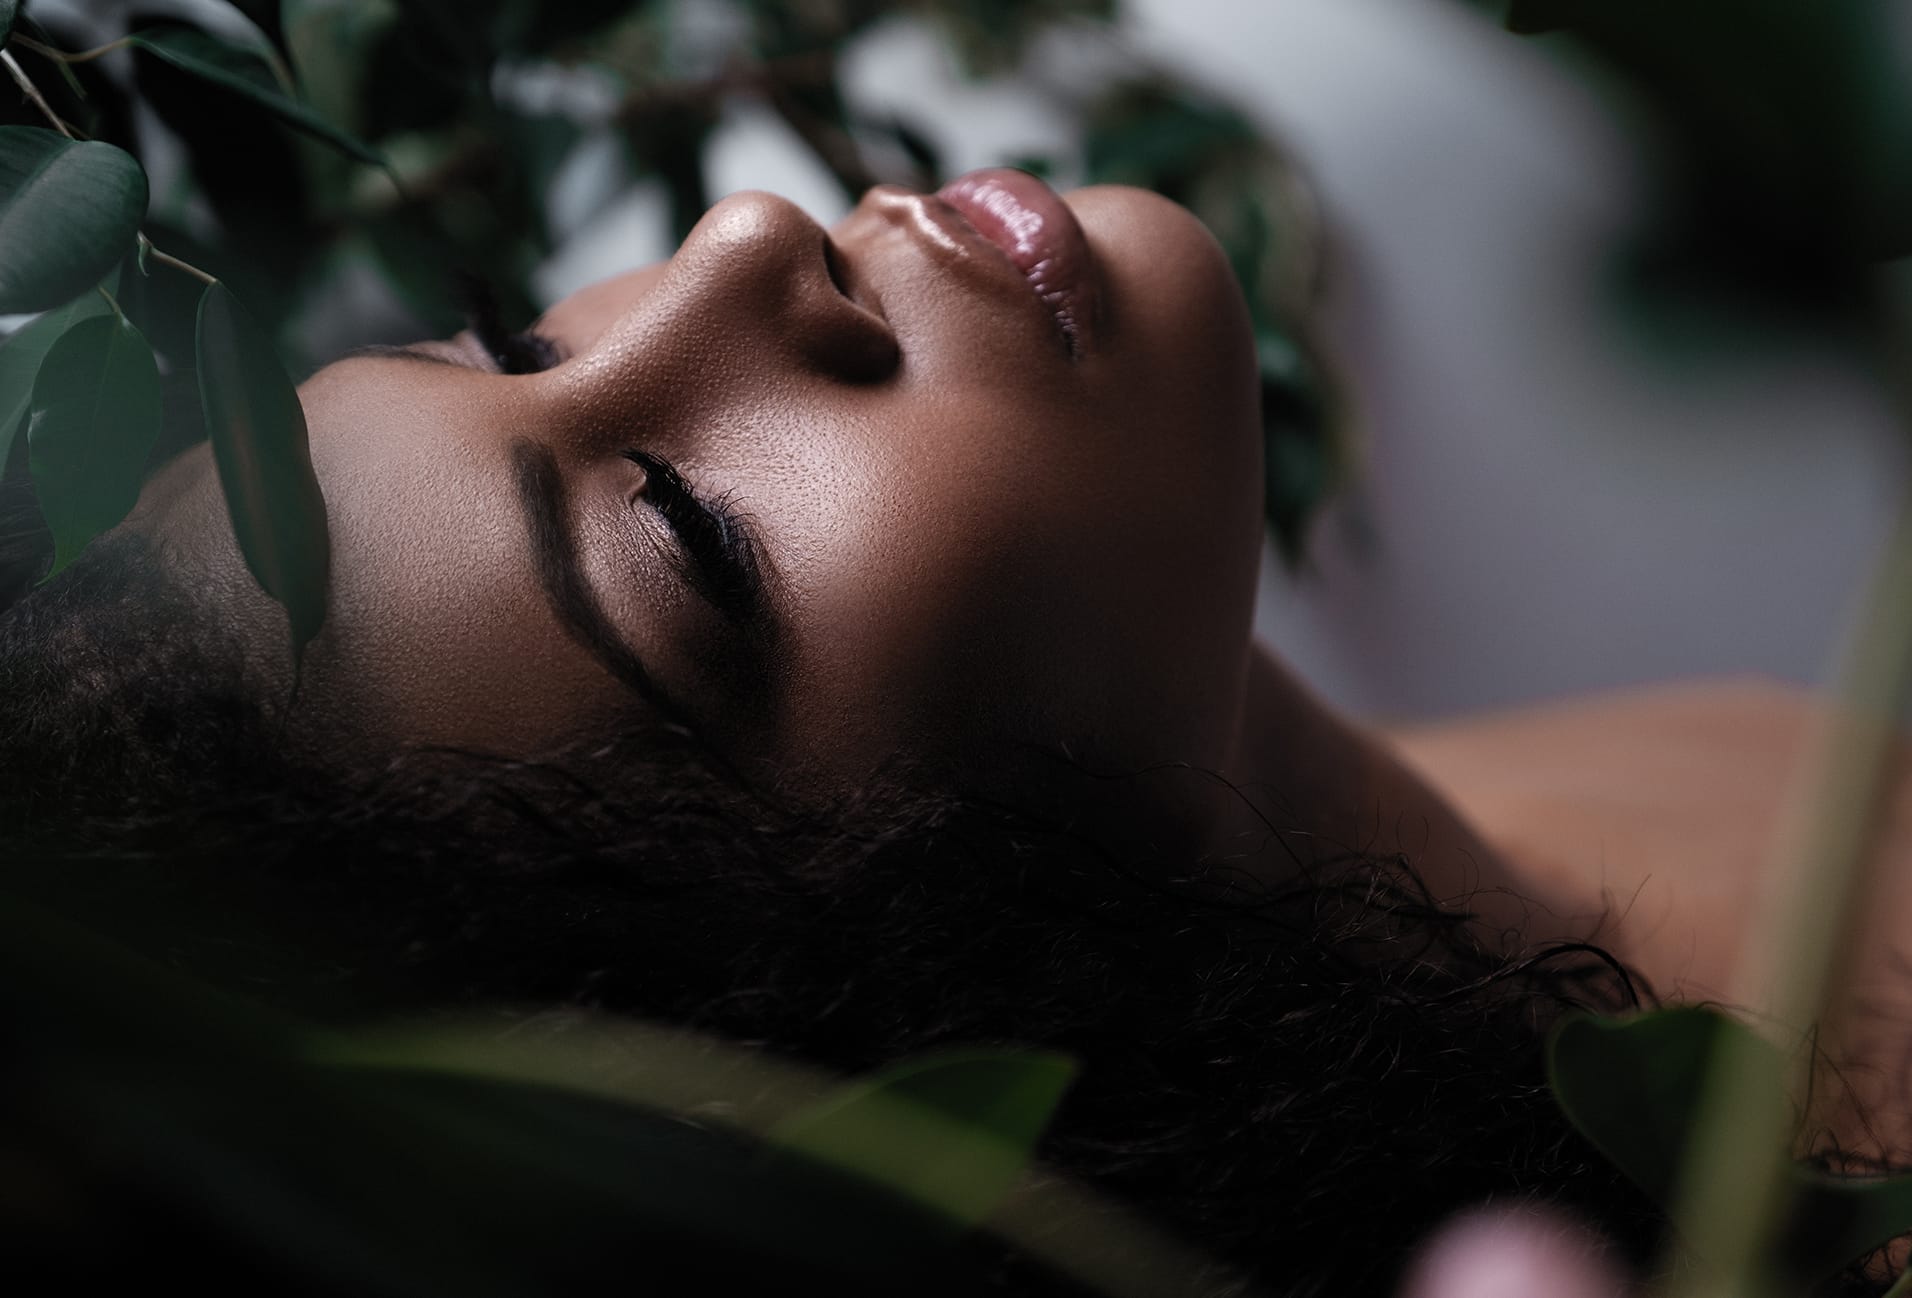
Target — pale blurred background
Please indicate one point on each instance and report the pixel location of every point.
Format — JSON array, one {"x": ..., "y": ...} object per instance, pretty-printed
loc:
[{"x": 1546, "y": 506}]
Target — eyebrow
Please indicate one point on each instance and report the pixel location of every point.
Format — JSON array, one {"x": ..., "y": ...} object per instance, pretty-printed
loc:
[{"x": 541, "y": 496}]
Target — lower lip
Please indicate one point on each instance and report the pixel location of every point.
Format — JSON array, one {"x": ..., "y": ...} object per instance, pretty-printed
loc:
[{"x": 1039, "y": 234}]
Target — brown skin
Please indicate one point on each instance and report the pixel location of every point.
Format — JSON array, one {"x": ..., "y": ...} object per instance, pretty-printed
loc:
[
  {"x": 1645, "y": 817},
  {"x": 976, "y": 543},
  {"x": 969, "y": 534}
]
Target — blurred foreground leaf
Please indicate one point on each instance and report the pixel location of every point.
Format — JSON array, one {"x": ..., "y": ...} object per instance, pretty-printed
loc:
[
  {"x": 68, "y": 212},
  {"x": 96, "y": 412},
  {"x": 1787, "y": 125},
  {"x": 245, "y": 74},
  {"x": 259, "y": 442},
  {"x": 8, "y": 9},
  {"x": 1633, "y": 1088},
  {"x": 331, "y": 43},
  {"x": 188, "y": 1131},
  {"x": 952, "y": 1133},
  {"x": 20, "y": 357}
]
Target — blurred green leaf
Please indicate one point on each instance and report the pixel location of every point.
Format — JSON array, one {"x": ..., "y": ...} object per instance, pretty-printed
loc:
[
  {"x": 95, "y": 414},
  {"x": 992, "y": 36},
  {"x": 535, "y": 26},
  {"x": 331, "y": 43},
  {"x": 1634, "y": 1087},
  {"x": 1208, "y": 157},
  {"x": 154, "y": 1092},
  {"x": 1530, "y": 17},
  {"x": 1150, "y": 133},
  {"x": 68, "y": 213},
  {"x": 950, "y": 1132},
  {"x": 8, "y": 9},
  {"x": 245, "y": 74},
  {"x": 1788, "y": 124},
  {"x": 20, "y": 357},
  {"x": 259, "y": 442}
]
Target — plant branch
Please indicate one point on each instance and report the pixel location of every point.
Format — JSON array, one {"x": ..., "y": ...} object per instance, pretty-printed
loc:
[
  {"x": 640, "y": 105},
  {"x": 32, "y": 91},
  {"x": 46, "y": 51},
  {"x": 167, "y": 259}
]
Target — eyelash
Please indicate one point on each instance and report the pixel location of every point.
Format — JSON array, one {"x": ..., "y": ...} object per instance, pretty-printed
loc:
[
  {"x": 514, "y": 351},
  {"x": 723, "y": 554},
  {"x": 713, "y": 533}
]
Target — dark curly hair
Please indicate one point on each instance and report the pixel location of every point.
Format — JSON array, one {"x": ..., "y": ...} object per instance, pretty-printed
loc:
[{"x": 1301, "y": 1077}]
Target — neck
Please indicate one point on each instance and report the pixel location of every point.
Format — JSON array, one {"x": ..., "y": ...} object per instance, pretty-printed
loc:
[{"x": 1329, "y": 789}]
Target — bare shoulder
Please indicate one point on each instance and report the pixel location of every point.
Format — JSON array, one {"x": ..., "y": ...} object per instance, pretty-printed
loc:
[
  {"x": 1646, "y": 817},
  {"x": 1650, "y": 810}
]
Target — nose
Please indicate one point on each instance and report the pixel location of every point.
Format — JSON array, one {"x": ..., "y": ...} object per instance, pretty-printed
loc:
[
  {"x": 756, "y": 291},
  {"x": 777, "y": 270}
]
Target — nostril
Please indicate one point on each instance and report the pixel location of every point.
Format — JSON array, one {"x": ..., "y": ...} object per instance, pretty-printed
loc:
[{"x": 833, "y": 264}]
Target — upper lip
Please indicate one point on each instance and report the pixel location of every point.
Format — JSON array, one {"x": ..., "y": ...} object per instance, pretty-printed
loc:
[{"x": 946, "y": 225}]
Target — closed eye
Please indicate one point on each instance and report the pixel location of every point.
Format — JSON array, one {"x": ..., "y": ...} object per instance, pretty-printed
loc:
[{"x": 717, "y": 539}]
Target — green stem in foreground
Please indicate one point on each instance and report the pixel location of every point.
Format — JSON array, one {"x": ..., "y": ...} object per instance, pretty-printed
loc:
[
  {"x": 149, "y": 251},
  {"x": 46, "y": 51},
  {"x": 32, "y": 91},
  {"x": 1734, "y": 1189}
]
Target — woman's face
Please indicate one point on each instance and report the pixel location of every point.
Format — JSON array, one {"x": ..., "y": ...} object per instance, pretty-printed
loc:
[{"x": 999, "y": 479}]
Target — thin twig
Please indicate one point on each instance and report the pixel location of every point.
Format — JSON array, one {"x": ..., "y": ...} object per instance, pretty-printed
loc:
[
  {"x": 61, "y": 56},
  {"x": 167, "y": 259},
  {"x": 32, "y": 91}
]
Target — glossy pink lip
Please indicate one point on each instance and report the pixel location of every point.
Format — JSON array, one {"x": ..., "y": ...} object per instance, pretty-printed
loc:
[{"x": 1036, "y": 230}]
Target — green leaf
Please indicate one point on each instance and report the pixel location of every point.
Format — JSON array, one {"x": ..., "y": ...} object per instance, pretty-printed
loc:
[
  {"x": 1838, "y": 1219},
  {"x": 1530, "y": 18},
  {"x": 1785, "y": 125},
  {"x": 68, "y": 213},
  {"x": 950, "y": 1132},
  {"x": 332, "y": 44},
  {"x": 1633, "y": 1088},
  {"x": 96, "y": 412},
  {"x": 20, "y": 357},
  {"x": 151, "y": 1089},
  {"x": 259, "y": 442},
  {"x": 8, "y": 9},
  {"x": 244, "y": 73}
]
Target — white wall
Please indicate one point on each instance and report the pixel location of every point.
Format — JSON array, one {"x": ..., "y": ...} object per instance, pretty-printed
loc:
[{"x": 1549, "y": 506}]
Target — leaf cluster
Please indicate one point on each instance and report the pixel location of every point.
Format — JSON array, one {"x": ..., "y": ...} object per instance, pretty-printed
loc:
[
  {"x": 1779, "y": 131},
  {"x": 181, "y": 1131}
]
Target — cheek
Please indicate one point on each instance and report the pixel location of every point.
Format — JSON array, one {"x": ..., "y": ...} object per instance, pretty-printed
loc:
[{"x": 992, "y": 571}]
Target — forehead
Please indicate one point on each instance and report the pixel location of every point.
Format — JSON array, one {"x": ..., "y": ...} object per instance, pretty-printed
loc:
[{"x": 438, "y": 631}]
